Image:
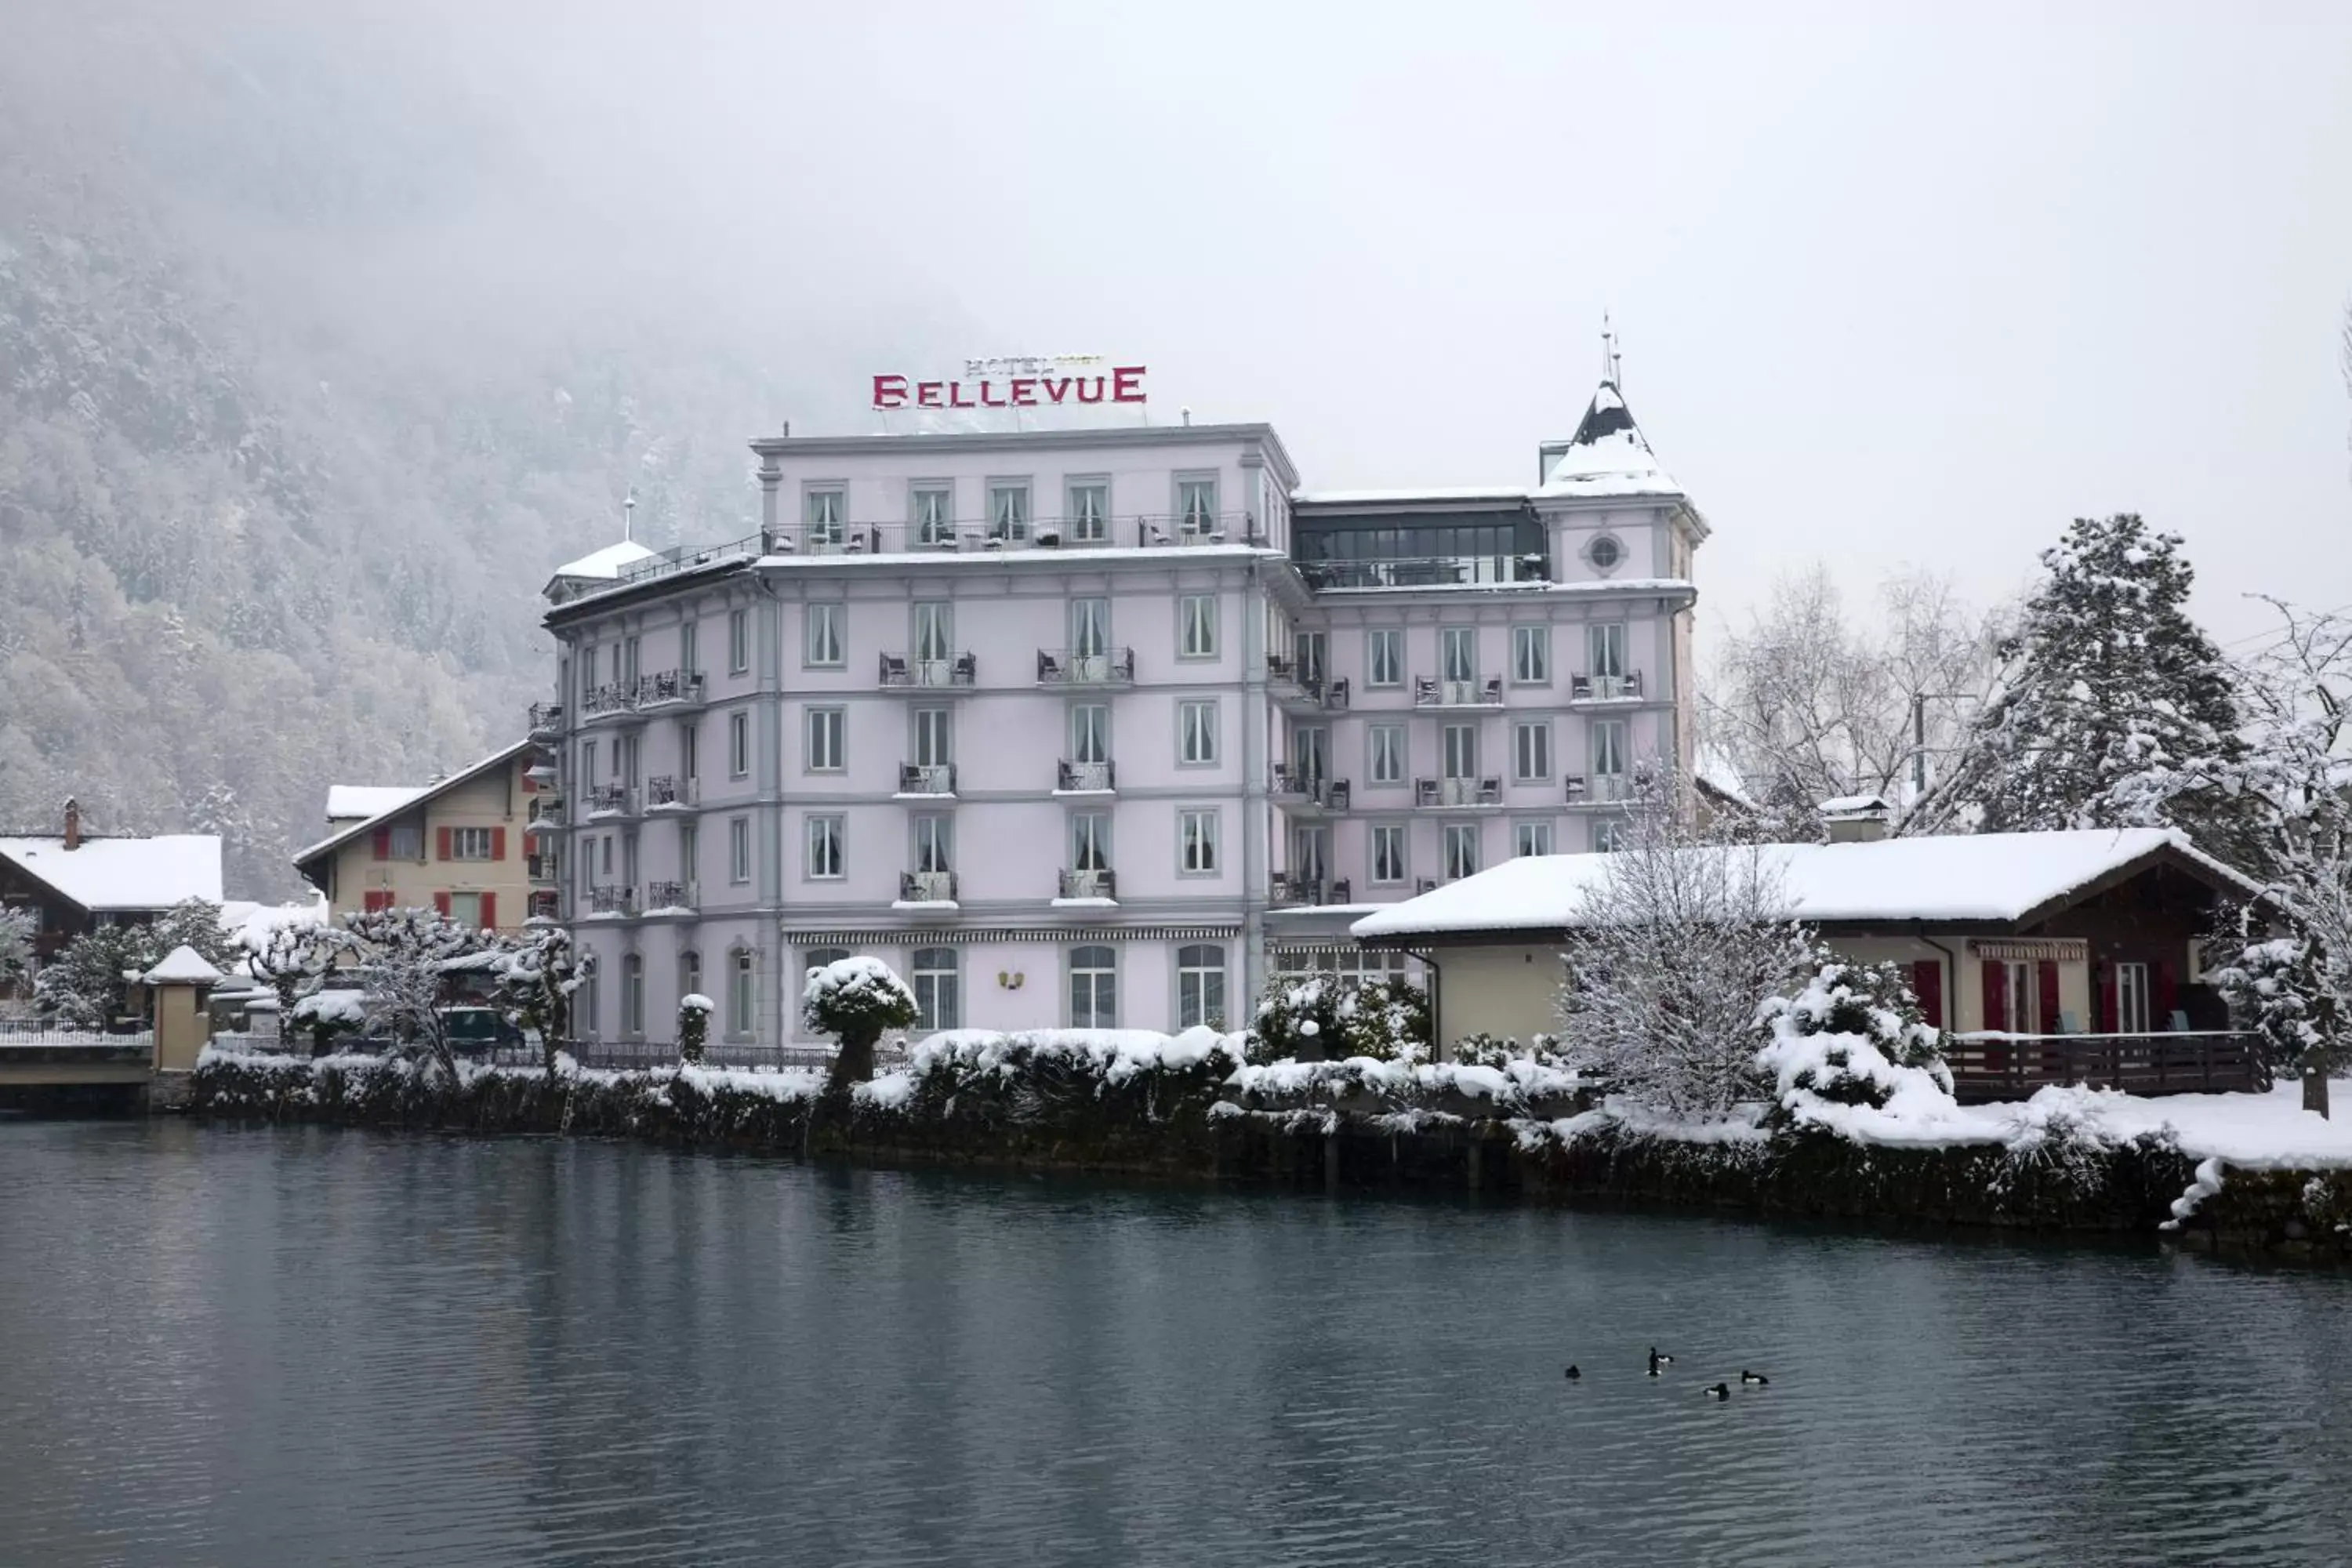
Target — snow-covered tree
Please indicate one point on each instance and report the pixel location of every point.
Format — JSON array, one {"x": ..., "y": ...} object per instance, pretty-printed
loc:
[
  {"x": 1329, "y": 1018},
  {"x": 2281, "y": 988},
  {"x": 538, "y": 977},
  {"x": 1849, "y": 1034},
  {"x": 401, "y": 965},
  {"x": 18, "y": 928},
  {"x": 194, "y": 922},
  {"x": 2111, "y": 707},
  {"x": 294, "y": 959},
  {"x": 855, "y": 1000},
  {"x": 1673, "y": 950},
  {"x": 83, "y": 987},
  {"x": 693, "y": 1025}
]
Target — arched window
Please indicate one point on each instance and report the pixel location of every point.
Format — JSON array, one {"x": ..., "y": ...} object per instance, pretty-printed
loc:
[
  {"x": 1094, "y": 987},
  {"x": 933, "y": 974},
  {"x": 1200, "y": 985},
  {"x": 633, "y": 994}
]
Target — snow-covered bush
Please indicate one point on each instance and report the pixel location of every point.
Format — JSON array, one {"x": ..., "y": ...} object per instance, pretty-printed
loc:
[
  {"x": 329, "y": 1013},
  {"x": 855, "y": 1000},
  {"x": 1852, "y": 1035},
  {"x": 1330, "y": 1017},
  {"x": 2280, "y": 987},
  {"x": 1486, "y": 1050},
  {"x": 693, "y": 1025},
  {"x": 17, "y": 929}
]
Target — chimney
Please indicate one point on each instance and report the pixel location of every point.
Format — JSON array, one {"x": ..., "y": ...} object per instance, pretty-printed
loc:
[
  {"x": 73, "y": 823},
  {"x": 1857, "y": 818}
]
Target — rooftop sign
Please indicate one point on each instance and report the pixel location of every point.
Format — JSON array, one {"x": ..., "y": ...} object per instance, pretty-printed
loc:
[{"x": 1045, "y": 381}]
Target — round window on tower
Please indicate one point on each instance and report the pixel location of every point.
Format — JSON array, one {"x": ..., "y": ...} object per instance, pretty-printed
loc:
[{"x": 1605, "y": 553}]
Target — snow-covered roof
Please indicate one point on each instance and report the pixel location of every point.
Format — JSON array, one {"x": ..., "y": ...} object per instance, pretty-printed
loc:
[
  {"x": 1608, "y": 455},
  {"x": 347, "y": 803},
  {"x": 1714, "y": 768},
  {"x": 1994, "y": 878},
  {"x": 1853, "y": 806},
  {"x": 346, "y": 831},
  {"x": 1454, "y": 493},
  {"x": 183, "y": 965},
  {"x": 609, "y": 561},
  {"x": 122, "y": 874}
]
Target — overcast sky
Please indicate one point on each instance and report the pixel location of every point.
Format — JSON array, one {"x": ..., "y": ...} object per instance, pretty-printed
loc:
[{"x": 1893, "y": 287}]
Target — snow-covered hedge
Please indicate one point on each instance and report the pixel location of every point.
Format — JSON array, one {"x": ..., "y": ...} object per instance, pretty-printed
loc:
[{"x": 1328, "y": 1018}]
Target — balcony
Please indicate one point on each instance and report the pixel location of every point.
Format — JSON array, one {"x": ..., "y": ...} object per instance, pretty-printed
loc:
[
  {"x": 1110, "y": 669},
  {"x": 1600, "y": 789},
  {"x": 1624, "y": 687},
  {"x": 611, "y": 800},
  {"x": 665, "y": 897},
  {"x": 958, "y": 673},
  {"x": 1303, "y": 794},
  {"x": 928, "y": 780},
  {"x": 1425, "y": 571},
  {"x": 671, "y": 688},
  {"x": 615, "y": 701},
  {"x": 982, "y": 536},
  {"x": 1095, "y": 885},
  {"x": 1431, "y": 693},
  {"x": 546, "y": 720},
  {"x": 545, "y": 908},
  {"x": 1292, "y": 891},
  {"x": 546, "y": 816},
  {"x": 541, "y": 869},
  {"x": 614, "y": 903},
  {"x": 667, "y": 792},
  {"x": 1458, "y": 794},
  {"x": 1302, "y": 692},
  {"x": 926, "y": 886},
  {"x": 1084, "y": 778}
]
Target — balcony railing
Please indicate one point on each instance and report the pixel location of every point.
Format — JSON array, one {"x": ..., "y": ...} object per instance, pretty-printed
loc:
[
  {"x": 1089, "y": 885},
  {"x": 669, "y": 790},
  {"x": 546, "y": 816},
  {"x": 1600, "y": 789},
  {"x": 1425, "y": 571},
  {"x": 1457, "y": 792},
  {"x": 1605, "y": 688},
  {"x": 1066, "y": 667},
  {"x": 611, "y": 800},
  {"x": 612, "y": 698},
  {"x": 1294, "y": 688},
  {"x": 975, "y": 535},
  {"x": 927, "y": 778},
  {"x": 546, "y": 718},
  {"x": 1084, "y": 778},
  {"x": 670, "y": 687},
  {"x": 1292, "y": 891},
  {"x": 545, "y": 905},
  {"x": 958, "y": 672},
  {"x": 2012, "y": 1066},
  {"x": 1293, "y": 788},
  {"x": 671, "y": 896},
  {"x": 613, "y": 901},
  {"x": 1431, "y": 692},
  {"x": 926, "y": 886},
  {"x": 541, "y": 869}
]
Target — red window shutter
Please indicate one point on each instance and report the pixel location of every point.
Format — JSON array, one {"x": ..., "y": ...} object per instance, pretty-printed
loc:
[
  {"x": 375, "y": 900},
  {"x": 1927, "y": 984},
  {"x": 497, "y": 847},
  {"x": 441, "y": 843},
  {"x": 2163, "y": 982},
  {"x": 489, "y": 911},
  {"x": 441, "y": 901},
  {"x": 2045, "y": 981},
  {"x": 383, "y": 843},
  {"x": 2104, "y": 980},
  {"x": 1996, "y": 993}
]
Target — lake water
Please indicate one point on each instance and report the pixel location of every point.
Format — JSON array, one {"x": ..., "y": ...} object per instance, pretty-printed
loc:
[{"x": 300, "y": 1347}]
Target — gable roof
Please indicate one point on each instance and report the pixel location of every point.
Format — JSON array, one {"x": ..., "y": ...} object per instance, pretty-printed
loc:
[
  {"x": 1608, "y": 455},
  {"x": 346, "y": 803},
  {"x": 345, "y": 834},
  {"x": 121, "y": 875},
  {"x": 1999, "y": 879}
]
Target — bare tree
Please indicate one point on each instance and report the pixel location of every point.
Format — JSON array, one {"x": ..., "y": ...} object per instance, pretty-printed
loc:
[{"x": 402, "y": 964}]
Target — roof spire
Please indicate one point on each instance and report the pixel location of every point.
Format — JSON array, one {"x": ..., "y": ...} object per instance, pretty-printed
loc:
[
  {"x": 1611, "y": 360},
  {"x": 629, "y": 516}
]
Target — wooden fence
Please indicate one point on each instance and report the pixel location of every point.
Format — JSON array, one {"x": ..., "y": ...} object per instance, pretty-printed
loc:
[{"x": 2012, "y": 1067}]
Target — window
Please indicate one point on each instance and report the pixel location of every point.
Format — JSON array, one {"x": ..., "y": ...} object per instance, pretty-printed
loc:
[
  {"x": 689, "y": 751},
  {"x": 934, "y": 737},
  {"x": 1090, "y": 732},
  {"x": 1196, "y": 840},
  {"x": 741, "y": 995},
  {"x": 1008, "y": 508},
  {"x": 588, "y": 761},
  {"x": 1608, "y": 751},
  {"x": 690, "y": 852},
  {"x": 1090, "y": 630},
  {"x": 934, "y": 516},
  {"x": 933, "y": 972},
  {"x": 629, "y": 859},
  {"x": 1461, "y": 849},
  {"x": 1200, "y": 985},
  {"x": 934, "y": 843},
  {"x": 819, "y": 957},
  {"x": 1608, "y": 836},
  {"x": 1388, "y": 852},
  {"x": 738, "y": 641},
  {"x": 1196, "y": 733},
  {"x": 824, "y": 861},
  {"x": 588, "y": 668},
  {"x": 1314, "y": 651},
  {"x": 738, "y": 850},
  {"x": 823, "y": 646},
  {"x": 2021, "y": 997},
  {"x": 469, "y": 844},
  {"x": 1531, "y": 655},
  {"x": 1090, "y": 841},
  {"x": 588, "y": 1012},
  {"x": 934, "y": 637},
  {"x": 606, "y": 855},
  {"x": 1310, "y": 753},
  {"x": 1094, "y": 987},
  {"x": 690, "y": 649},
  {"x": 821, "y": 510},
  {"x": 633, "y": 994},
  {"x": 406, "y": 843},
  {"x": 1196, "y": 625},
  {"x": 827, "y": 750},
  {"x": 1605, "y": 553},
  {"x": 628, "y": 671},
  {"x": 1457, "y": 650},
  {"x": 466, "y": 911},
  {"x": 1089, "y": 511},
  {"x": 1196, "y": 506},
  {"x": 690, "y": 973},
  {"x": 1531, "y": 838},
  {"x": 1531, "y": 750},
  {"x": 1388, "y": 753},
  {"x": 1311, "y": 855},
  {"x": 1458, "y": 744},
  {"x": 739, "y": 746},
  {"x": 1604, "y": 650},
  {"x": 2132, "y": 1011},
  {"x": 1385, "y": 650}
]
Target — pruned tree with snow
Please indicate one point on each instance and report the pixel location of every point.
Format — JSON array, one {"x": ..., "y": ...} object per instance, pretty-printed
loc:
[
  {"x": 1330, "y": 1017},
  {"x": 294, "y": 960},
  {"x": 1849, "y": 1034},
  {"x": 2281, "y": 988},
  {"x": 537, "y": 976},
  {"x": 18, "y": 929},
  {"x": 1671, "y": 955},
  {"x": 402, "y": 960},
  {"x": 2113, "y": 709},
  {"x": 694, "y": 1011},
  {"x": 855, "y": 1000}
]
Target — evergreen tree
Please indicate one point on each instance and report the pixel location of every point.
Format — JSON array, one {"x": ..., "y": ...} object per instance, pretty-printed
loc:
[
  {"x": 855, "y": 1000},
  {"x": 18, "y": 929},
  {"x": 2114, "y": 708},
  {"x": 1851, "y": 1034}
]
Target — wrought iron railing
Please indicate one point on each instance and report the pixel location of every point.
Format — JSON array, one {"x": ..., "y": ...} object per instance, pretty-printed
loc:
[
  {"x": 668, "y": 789},
  {"x": 926, "y": 886},
  {"x": 1068, "y": 666},
  {"x": 1600, "y": 789},
  {"x": 1429, "y": 691},
  {"x": 1077, "y": 778},
  {"x": 927, "y": 778},
  {"x": 546, "y": 717},
  {"x": 613, "y": 900},
  {"x": 670, "y": 686},
  {"x": 1604, "y": 687},
  {"x": 1425, "y": 572},
  {"x": 611, "y": 799},
  {"x": 1291, "y": 787},
  {"x": 673, "y": 895},
  {"x": 958, "y": 672},
  {"x": 1290, "y": 891},
  {"x": 1457, "y": 792},
  {"x": 984, "y": 535},
  {"x": 1093, "y": 884}
]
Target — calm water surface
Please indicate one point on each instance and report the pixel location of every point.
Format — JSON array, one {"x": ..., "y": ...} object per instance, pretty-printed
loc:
[{"x": 299, "y": 1347}]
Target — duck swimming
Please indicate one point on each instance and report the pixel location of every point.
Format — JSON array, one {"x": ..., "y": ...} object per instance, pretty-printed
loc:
[
  {"x": 1720, "y": 1391},
  {"x": 1757, "y": 1378},
  {"x": 1658, "y": 1360},
  {"x": 1571, "y": 1374}
]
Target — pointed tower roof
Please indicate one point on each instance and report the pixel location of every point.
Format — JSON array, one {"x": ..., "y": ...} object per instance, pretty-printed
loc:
[{"x": 1608, "y": 455}]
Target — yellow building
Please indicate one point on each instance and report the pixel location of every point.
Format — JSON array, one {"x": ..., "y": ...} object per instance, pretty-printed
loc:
[{"x": 461, "y": 845}]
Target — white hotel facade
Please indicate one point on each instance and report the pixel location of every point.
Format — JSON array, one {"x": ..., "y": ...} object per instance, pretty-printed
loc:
[{"x": 1096, "y": 727}]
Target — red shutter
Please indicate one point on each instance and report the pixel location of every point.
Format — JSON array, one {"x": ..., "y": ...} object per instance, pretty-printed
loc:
[
  {"x": 489, "y": 911},
  {"x": 497, "y": 847},
  {"x": 441, "y": 901},
  {"x": 375, "y": 900},
  {"x": 1996, "y": 993},
  {"x": 441, "y": 843},
  {"x": 2164, "y": 986},
  {"x": 384, "y": 843},
  {"x": 1927, "y": 984},
  {"x": 2103, "y": 979},
  {"x": 2045, "y": 980}
]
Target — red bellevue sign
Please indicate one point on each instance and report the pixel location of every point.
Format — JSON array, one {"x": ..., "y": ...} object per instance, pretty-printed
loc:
[{"x": 1123, "y": 385}]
